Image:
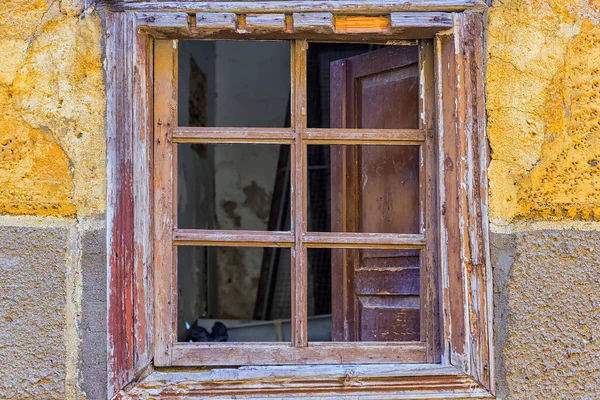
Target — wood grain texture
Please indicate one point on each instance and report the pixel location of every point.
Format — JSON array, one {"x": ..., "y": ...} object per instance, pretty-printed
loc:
[
  {"x": 465, "y": 275},
  {"x": 351, "y": 240},
  {"x": 426, "y": 24},
  {"x": 143, "y": 240},
  {"x": 289, "y": 6},
  {"x": 321, "y": 22},
  {"x": 356, "y": 24},
  {"x": 364, "y": 136},
  {"x": 193, "y": 354},
  {"x": 265, "y": 23},
  {"x": 191, "y": 237},
  {"x": 215, "y": 22},
  {"x": 119, "y": 197},
  {"x": 166, "y": 20},
  {"x": 165, "y": 267},
  {"x": 430, "y": 327},
  {"x": 299, "y": 206},
  {"x": 463, "y": 158},
  {"x": 327, "y": 381},
  {"x": 130, "y": 327},
  {"x": 232, "y": 135}
]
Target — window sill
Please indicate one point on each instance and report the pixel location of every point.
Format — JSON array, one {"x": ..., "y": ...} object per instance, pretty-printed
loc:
[{"x": 416, "y": 381}]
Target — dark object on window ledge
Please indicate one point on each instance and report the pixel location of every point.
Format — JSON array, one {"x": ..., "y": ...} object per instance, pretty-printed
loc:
[{"x": 218, "y": 334}]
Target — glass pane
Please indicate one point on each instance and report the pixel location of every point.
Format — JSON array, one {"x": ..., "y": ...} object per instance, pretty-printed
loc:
[
  {"x": 233, "y": 186},
  {"x": 229, "y": 83},
  {"x": 364, "y": 295},
  {"x": 233, "y": 294},
  {"x": 373, "y": 86},
  {"x": 364, "y": 188}
]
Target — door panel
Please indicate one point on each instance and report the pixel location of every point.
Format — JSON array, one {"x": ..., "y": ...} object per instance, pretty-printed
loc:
[{"x": 375, "y": 293}]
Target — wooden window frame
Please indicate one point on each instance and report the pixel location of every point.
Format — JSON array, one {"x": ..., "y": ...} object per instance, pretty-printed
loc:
[{"x": 140, "y": 344}]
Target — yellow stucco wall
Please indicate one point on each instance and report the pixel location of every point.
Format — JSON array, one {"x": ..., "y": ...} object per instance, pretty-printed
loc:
[
  {"x": 543, "y": 103},
  {"x": 52, "y": 159}
]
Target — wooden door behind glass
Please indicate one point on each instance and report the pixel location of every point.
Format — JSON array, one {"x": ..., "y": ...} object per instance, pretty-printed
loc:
[{"x": 376, "y": 188}]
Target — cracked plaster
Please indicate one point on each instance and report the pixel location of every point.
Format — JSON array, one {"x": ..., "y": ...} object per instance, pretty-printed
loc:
[
  {"x": 543, "y": 103},
  {"x": 53, "y": 105}
]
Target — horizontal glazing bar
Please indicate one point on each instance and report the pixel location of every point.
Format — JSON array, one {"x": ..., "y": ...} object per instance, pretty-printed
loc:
[
  {"x": 206, "y": 237},
  {"x": 364, "y": 136},
  {"x": 364, "y": 240},
  {"x": 232, "y": 135}
]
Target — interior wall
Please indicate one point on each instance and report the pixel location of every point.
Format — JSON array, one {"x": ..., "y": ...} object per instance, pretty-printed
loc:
[
  {"x": 195, "y": 183},
  {"x": 253, "y": 81},
  {"x": 229, "y": 186}
]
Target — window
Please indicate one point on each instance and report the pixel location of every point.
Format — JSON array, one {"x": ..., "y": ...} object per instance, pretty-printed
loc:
[{"x": 401, "y": 194}]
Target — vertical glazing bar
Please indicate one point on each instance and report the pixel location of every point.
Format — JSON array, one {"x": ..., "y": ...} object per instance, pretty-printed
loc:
[{"x": 298, "y": 165}]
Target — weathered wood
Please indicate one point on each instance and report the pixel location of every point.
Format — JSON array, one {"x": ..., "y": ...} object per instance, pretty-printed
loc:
[
  {"x": 451, "y": 272},
  {"x": 205, "y": 237},
  {"x": 232, "y": 135},
  {"x": 291, "y": 6},
  {"x": 319, "y": 22},
  {"x": 165, "y": 116},
  {"x": 430, "y": 327},
  {"x": 364, "y": 136},
  {"x": 466, "y": 273},
  {"x": 119, "y": 211},
  {"x": 143, "y": 240},
  {"x": 265, "y": 23},
  {"x": 215, "y": 22},
  {"x": 356, "y": 24},
  {"x": 190, "y": 354},
  {"x": 299, "y": 206},
  {"x": 464, "y": 254},
  {"x": 164, "y": 19},
  {"x": 472, "y": 167},
  {"x": 425, "y": 19},
  {"x": 325, "y": 381},
  {"x": 351, "y": 240}
]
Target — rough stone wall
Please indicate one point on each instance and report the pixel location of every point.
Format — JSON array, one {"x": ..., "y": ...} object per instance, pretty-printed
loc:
[
  {"x": 543, "y": 103},
  {"x": 52, "y": 201}
]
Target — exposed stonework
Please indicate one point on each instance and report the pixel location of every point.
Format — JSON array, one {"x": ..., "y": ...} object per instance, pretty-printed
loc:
[
  {"x": 32, "y": 312},
  {"x": 543, "y": 84}
]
